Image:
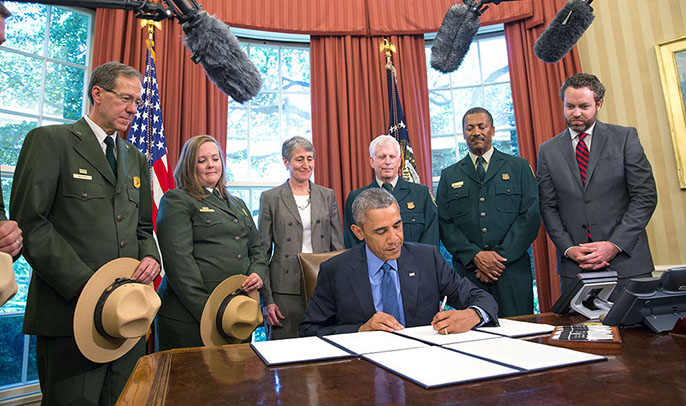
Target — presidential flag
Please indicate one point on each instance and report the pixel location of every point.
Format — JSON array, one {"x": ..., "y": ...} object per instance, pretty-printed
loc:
[
  {"x": 147, "y": 133},
  {"x": 398, "y": 129}
]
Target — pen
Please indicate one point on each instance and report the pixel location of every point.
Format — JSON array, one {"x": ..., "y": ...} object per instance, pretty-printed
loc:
[{"x": 445, "y": 300}]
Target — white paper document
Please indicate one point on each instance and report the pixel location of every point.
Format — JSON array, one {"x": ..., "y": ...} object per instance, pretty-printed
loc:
[
  {"x": 297, "y": 350},
  {"x": 524, "y": 354},
  {"x": 435, "y": 366},
  {"x": 367, "y": 342},
  {"x": 515, "y": 328},
  {"x": 431, "y": 336}
]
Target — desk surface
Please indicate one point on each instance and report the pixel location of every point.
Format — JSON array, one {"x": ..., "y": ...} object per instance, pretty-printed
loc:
[{"x": 651, "y": 368}]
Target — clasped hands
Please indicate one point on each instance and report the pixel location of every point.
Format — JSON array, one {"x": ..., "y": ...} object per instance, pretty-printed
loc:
[
  {"x": 445, "y": 322},
  {"x": 489, "y": 266},
  {"x": 593, "y": 255}
]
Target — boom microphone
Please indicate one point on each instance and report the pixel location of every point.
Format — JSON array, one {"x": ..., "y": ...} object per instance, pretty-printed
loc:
[
  {"x": 220, "y": 54},
  {"x": 564, "y": 30},
  {"x": 455, "y": 35}
]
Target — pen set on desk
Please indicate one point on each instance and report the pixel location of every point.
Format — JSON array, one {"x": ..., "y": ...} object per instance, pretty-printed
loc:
[{"x": 583, "y": 333}]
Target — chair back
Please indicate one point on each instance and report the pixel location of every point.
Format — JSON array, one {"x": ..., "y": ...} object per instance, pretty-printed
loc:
[{"x": 309, "y": 267}]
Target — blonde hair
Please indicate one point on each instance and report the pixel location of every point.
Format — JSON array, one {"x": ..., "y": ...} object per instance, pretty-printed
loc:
[{"x": 185, "y": 174}]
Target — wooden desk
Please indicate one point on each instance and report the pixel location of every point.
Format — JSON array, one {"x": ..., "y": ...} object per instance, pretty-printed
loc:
[{"x": 651, "y": 369}]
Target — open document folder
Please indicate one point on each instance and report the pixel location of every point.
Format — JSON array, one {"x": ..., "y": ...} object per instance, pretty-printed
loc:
[
  {"x": 428, "y": 335},
  {"x": 514, "y": 328},
  {"x": 436, "y": 366},
  {"x": 292, "y": 350},
  {"x": 368, "y": 342}
]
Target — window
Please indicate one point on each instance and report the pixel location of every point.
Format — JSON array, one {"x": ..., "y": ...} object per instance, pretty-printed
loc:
[
  {"x": 482, "y": 80},
  {"x": 257, "y": 128},
  {"x": 43, "y": 74}
]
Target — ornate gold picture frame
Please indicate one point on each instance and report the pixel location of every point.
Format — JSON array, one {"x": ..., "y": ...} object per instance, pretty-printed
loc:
[{"x": 671, "y": 59}]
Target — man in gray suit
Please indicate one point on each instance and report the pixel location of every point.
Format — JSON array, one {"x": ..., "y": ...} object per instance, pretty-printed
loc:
[{"x": 597, "y": 190}]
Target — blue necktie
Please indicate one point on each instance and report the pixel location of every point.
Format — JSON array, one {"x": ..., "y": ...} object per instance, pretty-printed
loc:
[{"x": 389, "y": 294}]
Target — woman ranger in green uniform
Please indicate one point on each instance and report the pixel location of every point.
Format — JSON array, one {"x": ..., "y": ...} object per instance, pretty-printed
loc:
[{"x": 205, "y": 235}]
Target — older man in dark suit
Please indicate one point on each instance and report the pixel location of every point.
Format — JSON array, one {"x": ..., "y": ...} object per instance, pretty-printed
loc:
[
  {"x": 385, "y": 284},
  {"x": 597, "y": 190},
  {"x": 81, "y": 194}
]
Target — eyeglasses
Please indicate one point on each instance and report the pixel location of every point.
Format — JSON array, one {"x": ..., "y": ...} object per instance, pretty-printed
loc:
[{"x": 125, "y": 98}]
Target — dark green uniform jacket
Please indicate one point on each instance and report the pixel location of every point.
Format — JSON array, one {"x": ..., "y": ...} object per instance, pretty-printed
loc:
[
  {"x": 417, "y": 209},
  {"x": 76, "y": 216},
  {"x": 203, "y": 242},
  {"x": 499, "y": 214}
]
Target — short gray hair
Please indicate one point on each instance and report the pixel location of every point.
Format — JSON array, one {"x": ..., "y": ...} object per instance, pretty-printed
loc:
[
  {"x": 371, "y": 199},
  {"x": 294, "y": 143},
  {"x": 106, "y": 75},
  {"x": 381, "y": 140}
]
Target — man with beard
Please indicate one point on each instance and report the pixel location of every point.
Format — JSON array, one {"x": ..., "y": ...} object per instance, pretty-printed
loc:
[
  {"x": 597, "y": 190},
  {"x": 488, "y": 217}
]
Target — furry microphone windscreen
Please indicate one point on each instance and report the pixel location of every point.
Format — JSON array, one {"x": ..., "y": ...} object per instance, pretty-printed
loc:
[
  {"x": 564, "y": 31},
  {"x": 221, "y": 56},
  {"x": 454, "y": 37}
]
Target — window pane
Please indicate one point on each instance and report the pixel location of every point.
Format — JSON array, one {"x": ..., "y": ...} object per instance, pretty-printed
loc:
[
  {"x": 494, "y": 50},
  {"x": 25, "y": 29},
  {"x": 465, "y": 99},
  {"x": 267, "y": 61},
  {"x": 440, "y": 110},
  {"x": 69, "y": 36},
  {"x": 20, "y": 82},
  {"x": 11, "y": 348},
  {"x": 264, "y": 115},
  {"x": 238, "y": 120},
  {"x": 442, "y": 153},
  {"x": 297, "y": 118},
  {"x": 236, "y": 159},
  {"x": 63, "y": 91},
  {"x": 13, "y": 130},
  {"x": 265, "y": 161},
  {"x": 295, "y": 69},
  {"x": 468, "y": 72},
  {"x": 499, "y": 103}
]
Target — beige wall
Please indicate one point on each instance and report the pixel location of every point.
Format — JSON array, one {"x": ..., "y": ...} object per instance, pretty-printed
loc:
[{"x": 619, "y": 48}]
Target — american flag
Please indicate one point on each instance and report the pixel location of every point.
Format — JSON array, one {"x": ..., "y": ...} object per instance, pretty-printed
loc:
[
  {"x": 147, "y": 133},
  {"x": 398, "y": 129}
]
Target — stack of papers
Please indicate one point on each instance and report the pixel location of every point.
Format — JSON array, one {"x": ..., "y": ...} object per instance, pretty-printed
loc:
[
  {"x": 514, "y": 328},
  {"x": 292, "y": 350},
  {"x": 427, "y": 334},
  {"x": 367, "y": 342}
]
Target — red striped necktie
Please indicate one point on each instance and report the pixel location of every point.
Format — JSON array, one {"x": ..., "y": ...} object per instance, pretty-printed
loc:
[{"x": 582, "y": 156}]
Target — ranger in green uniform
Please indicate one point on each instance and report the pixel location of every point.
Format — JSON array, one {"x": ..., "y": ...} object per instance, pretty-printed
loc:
[
  {"x": 417, "y": 207},
  {"x": 205, "y": 235},
  {"x": 488, "y": 215},
  {"x": 81, "y": 195}
]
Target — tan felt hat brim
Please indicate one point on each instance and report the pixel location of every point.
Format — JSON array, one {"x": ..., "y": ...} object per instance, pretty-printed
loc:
[
  {"x": 208, "y": 321},
  {"x": 91, "y": 344}
]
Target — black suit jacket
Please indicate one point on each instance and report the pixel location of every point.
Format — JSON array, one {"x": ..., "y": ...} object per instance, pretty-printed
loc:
[{"x": 342, "y": 300}]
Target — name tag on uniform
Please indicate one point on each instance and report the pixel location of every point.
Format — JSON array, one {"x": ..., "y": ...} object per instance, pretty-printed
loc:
[
  {"x": 410, "y": 205},
  {"x": 505, "y": 176},
  {"x": 457, "y": 185},
  {"x": 81, "y": 176},
  {"x": 206, "y": 210},
  {"x": 136, "y": 182}
]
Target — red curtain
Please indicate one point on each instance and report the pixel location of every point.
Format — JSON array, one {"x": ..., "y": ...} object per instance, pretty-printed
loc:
[
  {"x": 350, "y": 108},
  {"x": 191, "y": 104},
  {"x": 538, "y": 117}
]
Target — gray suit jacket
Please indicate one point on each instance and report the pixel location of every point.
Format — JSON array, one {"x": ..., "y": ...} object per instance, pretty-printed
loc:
[
  {"x": 282, "y": 233},
  {"x": 617, "y": 201}
]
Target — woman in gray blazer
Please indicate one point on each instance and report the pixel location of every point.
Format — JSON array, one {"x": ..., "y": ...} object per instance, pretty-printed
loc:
[
  {"x": 205, "y": 235},
  {"x": 295, "y": 217}
]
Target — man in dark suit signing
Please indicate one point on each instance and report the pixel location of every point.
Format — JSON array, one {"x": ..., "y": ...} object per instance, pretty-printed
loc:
[
  {"x": 385, "y": 284},
  {"x": 81, "y": 195},
  {"x": 597, "y": 190}
]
